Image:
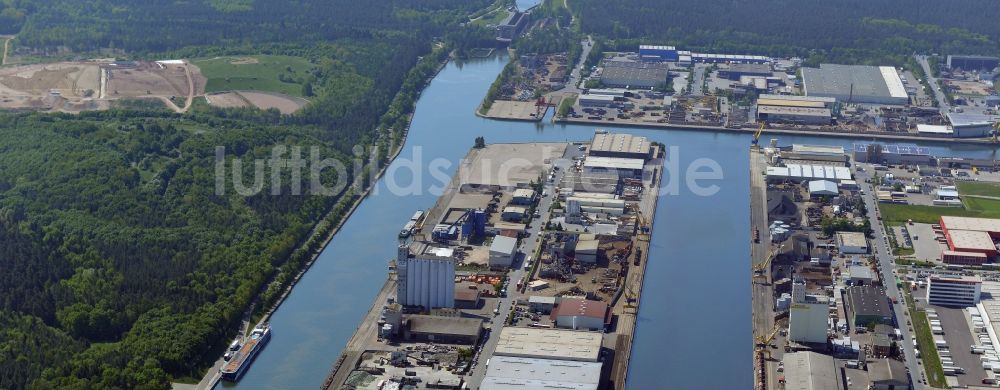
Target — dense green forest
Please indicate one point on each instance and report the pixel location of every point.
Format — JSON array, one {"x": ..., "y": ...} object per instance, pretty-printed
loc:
[
  {"x": 160, "y": 26},
  {"x": 845, "y": 31},
  {"x": 121, "y": 267},
  {"x": 113, "y": 235}
]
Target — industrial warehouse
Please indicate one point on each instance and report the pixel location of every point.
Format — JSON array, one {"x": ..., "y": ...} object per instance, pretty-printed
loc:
[
  {"x": 855, "y": 84},
  {"x": 628, "y": 74},
  {"x": 971, "y": 235},
  {"x": 795, "y": 109}
]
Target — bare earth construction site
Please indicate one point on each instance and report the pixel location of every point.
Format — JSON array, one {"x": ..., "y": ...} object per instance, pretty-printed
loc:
[{"x": 92, "y": 85}]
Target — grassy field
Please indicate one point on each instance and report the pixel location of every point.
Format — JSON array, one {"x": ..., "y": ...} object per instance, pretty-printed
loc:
[
  {"x": 978, "y": 188},
  {"x": 492, "y": 18},
  {"x": 988, "y": 207},
  {"x": 925, "y": 341},
  {"x": 897, "y": 214},
  {"x": 259, "y": 73}
]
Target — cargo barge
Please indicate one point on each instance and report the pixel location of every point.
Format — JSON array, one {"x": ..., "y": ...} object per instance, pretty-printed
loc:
[
  {"x": 241, "y": 359},
  {"x": 411, "y": 224}
]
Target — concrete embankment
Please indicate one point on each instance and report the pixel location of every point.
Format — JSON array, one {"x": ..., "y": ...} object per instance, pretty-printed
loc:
[
  {"x": 634, "y": 281},
  {"x": 767, "y": 131}
]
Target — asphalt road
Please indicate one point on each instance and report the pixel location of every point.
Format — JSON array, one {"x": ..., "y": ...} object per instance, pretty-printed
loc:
[
  {"x": 886, "y": 266},
  {"x": 528, "y": 246},
  {"x": 573, "y": 85},
  {"x": 699, "y": 79},
  {"x": 938, "y": 94}
]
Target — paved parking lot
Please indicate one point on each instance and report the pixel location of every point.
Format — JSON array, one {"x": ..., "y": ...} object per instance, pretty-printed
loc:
[
  {"x": 924, "y": 245},
  {"x": 959, "y": 338}
]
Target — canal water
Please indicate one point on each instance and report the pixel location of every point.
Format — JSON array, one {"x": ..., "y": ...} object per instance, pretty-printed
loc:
[{"x": 694, "y": 327}]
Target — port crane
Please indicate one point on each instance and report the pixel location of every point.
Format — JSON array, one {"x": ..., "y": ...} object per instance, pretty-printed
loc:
[
  {"x": 762, "y": 341},
  {"x": 759, "y": 268},
  {"x": 756, "y": 135},
  {"x": 629, "y": 299}
]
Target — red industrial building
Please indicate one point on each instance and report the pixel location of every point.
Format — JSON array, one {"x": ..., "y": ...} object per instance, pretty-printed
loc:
[
  {"x": 578, "y": 313},
  {"x": 963, "y": 258},
  {"x": 970, "y": 235}
]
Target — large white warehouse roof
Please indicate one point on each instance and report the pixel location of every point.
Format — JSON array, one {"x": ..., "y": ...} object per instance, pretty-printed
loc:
[
  {"x": 506, "y": 372},
  {"x": 549, "y": 344}
]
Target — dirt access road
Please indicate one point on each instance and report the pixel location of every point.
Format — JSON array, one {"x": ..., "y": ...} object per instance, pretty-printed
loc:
[
  {"x": 6, "y": 46},
  {"x": 190, "y": 95}
]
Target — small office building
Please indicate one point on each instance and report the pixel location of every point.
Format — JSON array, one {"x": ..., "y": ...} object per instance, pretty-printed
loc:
[
  {"x": 963, "y": 291},
  {"x": 502, "y": 251}
]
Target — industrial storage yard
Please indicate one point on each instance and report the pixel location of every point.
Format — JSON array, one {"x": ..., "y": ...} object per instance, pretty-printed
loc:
[{"x": 528, "y": 259}]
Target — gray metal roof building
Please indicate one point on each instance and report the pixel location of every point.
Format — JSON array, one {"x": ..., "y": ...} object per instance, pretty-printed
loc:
[
  {"x": 972, "y": 62},
  {"x": 443, "y": 329},
  {"x": 735, "y": 71},
  {"x": 971, "y": 124},
  {"x": 809, "y": 371},
  {"x": 888, "y": 374},
  {"x": 806, "y": 115},
  {"x": 855, "y": 83},
  {"x": 629, "y": 74},
  {"x": 619, "y": 145},
  {"x": 542, "y": 343},
  {"x": 868, "y": 304},
  {"x": 508, "y": 372}
]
